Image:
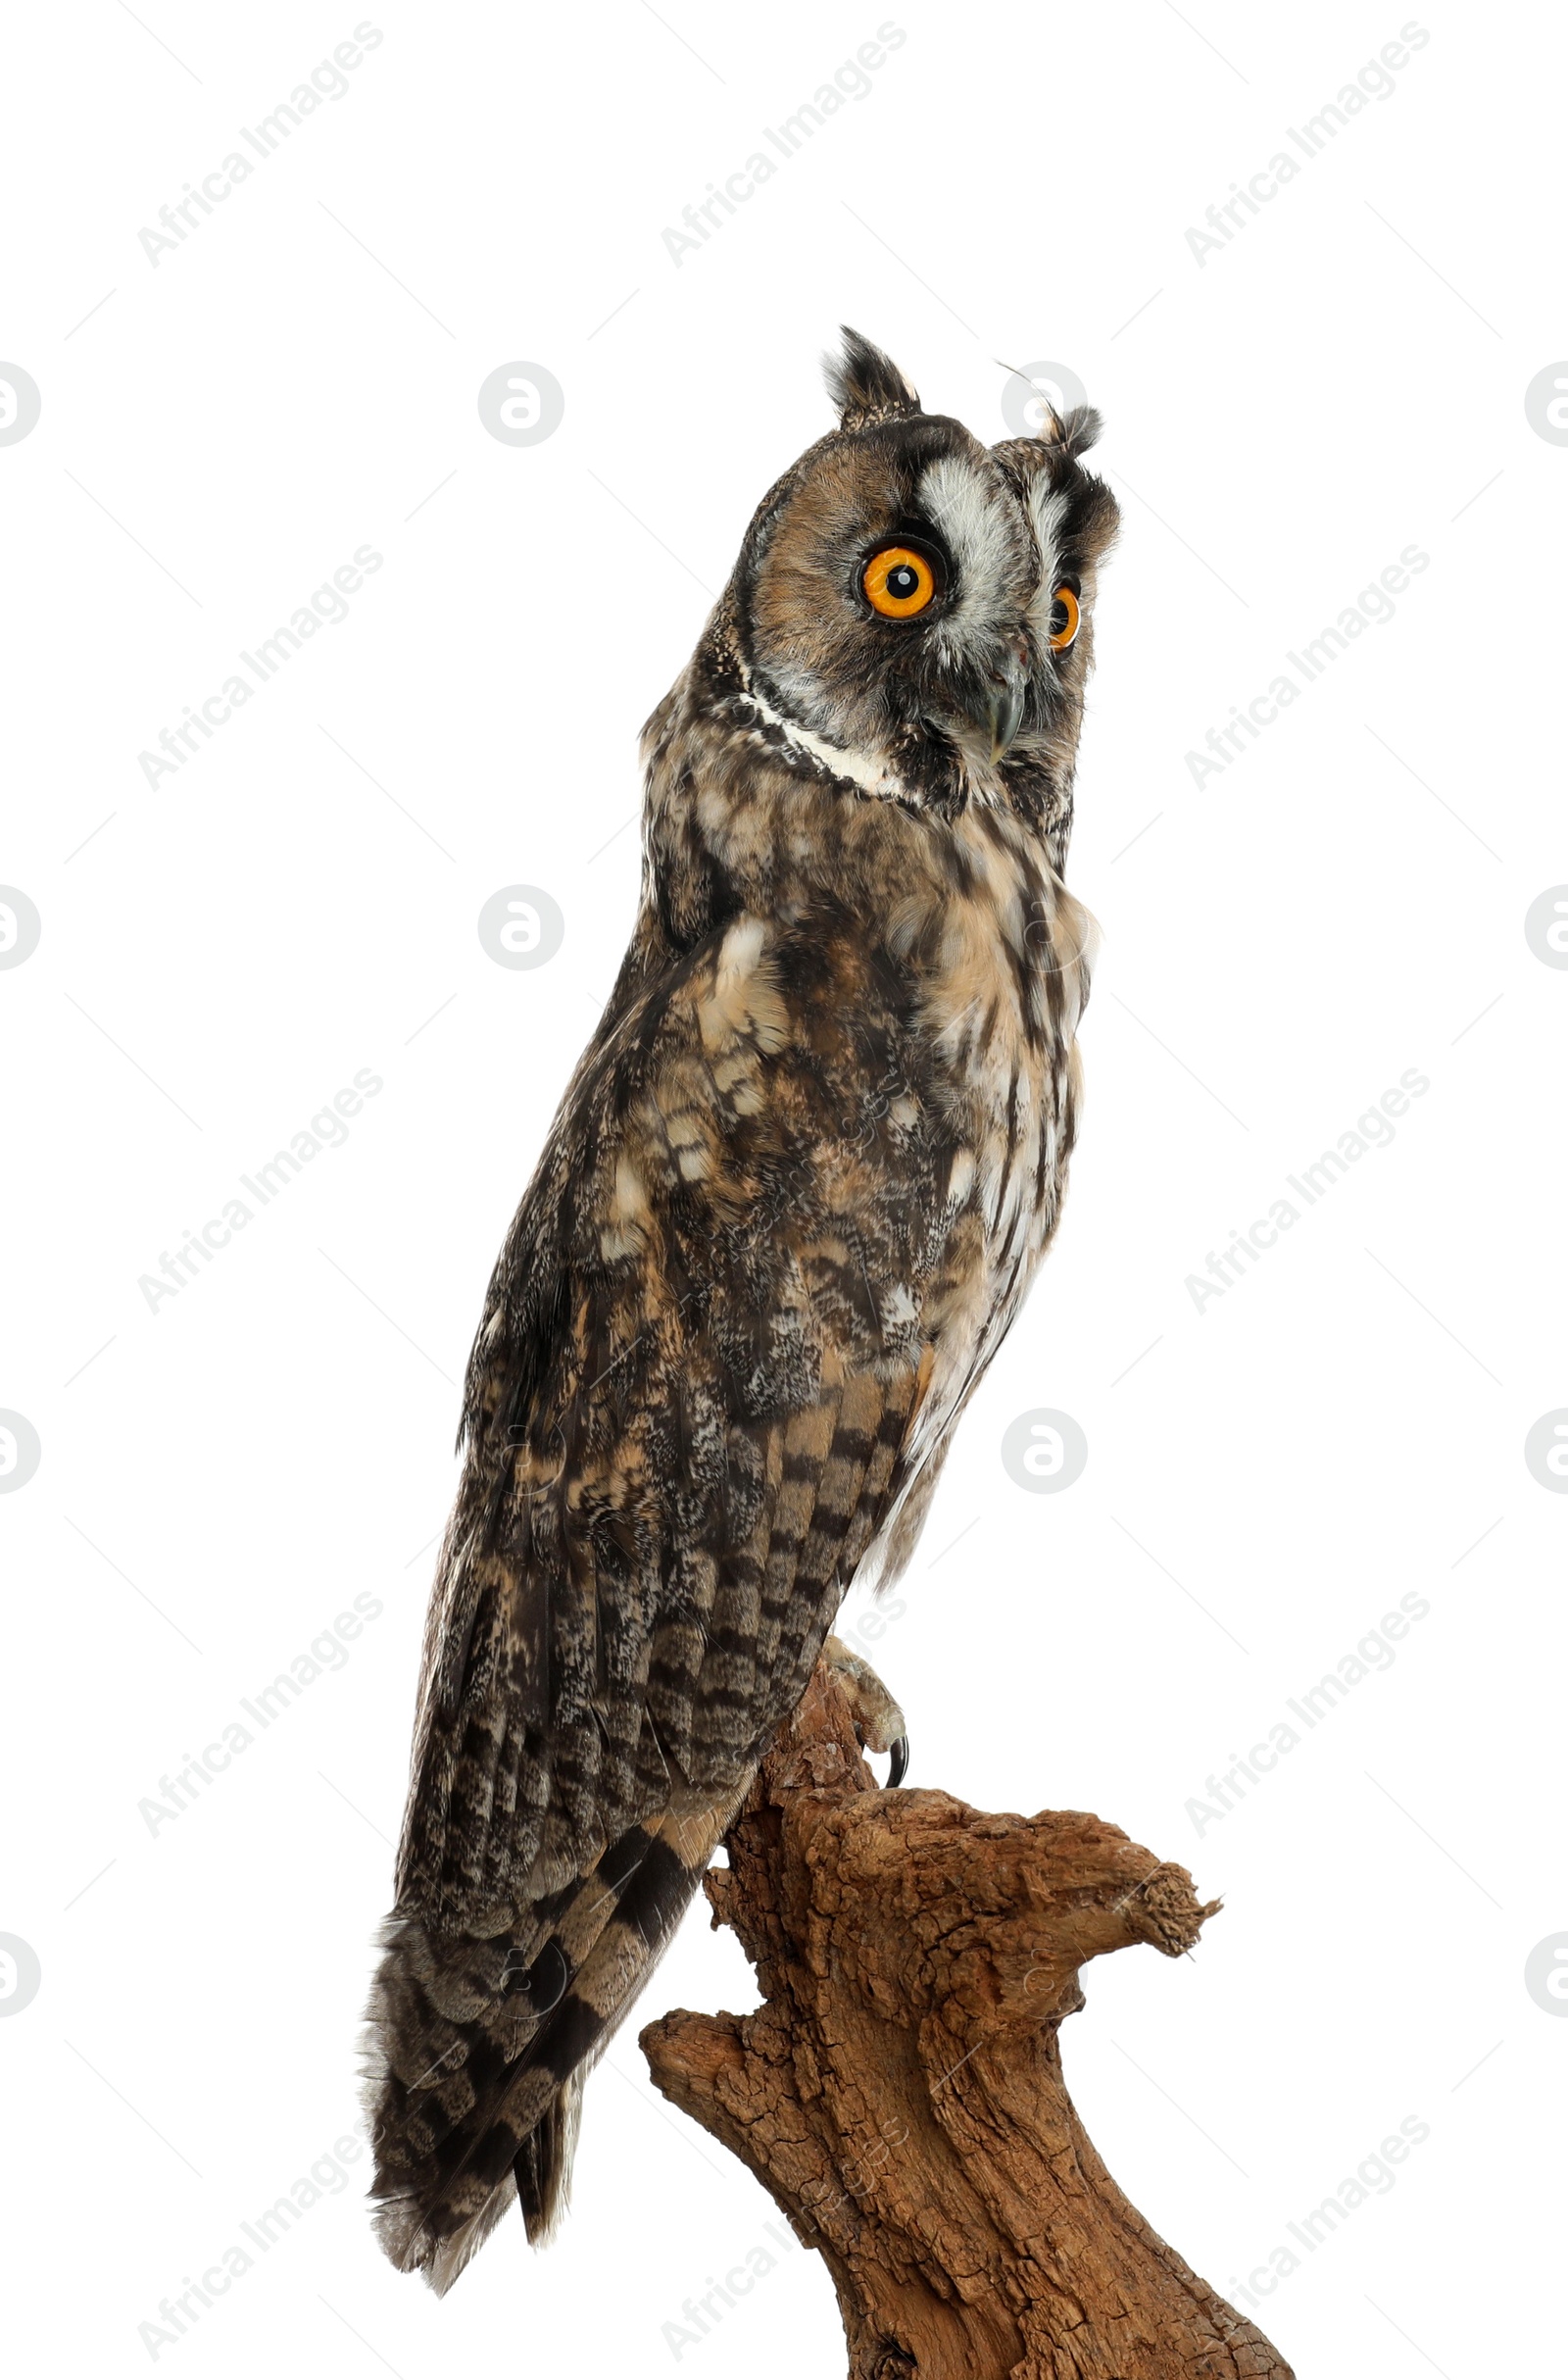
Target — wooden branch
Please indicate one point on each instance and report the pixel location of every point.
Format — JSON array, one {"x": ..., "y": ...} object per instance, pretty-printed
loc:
[{"x": 899, "y": 2091}]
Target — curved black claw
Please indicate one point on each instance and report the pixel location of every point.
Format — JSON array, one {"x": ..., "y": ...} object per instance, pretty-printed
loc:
[{"x": 897, "y": 1761}]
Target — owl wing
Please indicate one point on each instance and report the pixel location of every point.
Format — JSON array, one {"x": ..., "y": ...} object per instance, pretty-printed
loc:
[{"x": 690, "y": 1411}]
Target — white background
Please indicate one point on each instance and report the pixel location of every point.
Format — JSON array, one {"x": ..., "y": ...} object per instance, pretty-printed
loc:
[{"x": 222, "y": 952}]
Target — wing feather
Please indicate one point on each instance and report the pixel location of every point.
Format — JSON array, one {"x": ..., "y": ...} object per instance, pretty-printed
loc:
[{"x": 688, "y": 1413}]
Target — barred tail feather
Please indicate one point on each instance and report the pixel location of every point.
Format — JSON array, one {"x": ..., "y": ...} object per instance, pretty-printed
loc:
[{"x": 477, "y": 2051}]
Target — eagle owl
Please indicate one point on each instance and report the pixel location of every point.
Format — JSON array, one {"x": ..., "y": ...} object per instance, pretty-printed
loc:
[{"x": 796, "y": 1192}]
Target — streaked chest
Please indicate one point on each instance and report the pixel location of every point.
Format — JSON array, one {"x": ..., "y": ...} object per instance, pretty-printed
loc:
[{"x": 1004, "y": 982}]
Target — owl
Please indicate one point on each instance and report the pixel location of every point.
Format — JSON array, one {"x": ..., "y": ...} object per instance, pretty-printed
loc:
[{"x": 795, "y": 1194}]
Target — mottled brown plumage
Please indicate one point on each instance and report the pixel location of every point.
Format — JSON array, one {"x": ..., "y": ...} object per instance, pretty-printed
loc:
[{"x": 795, "y": 1194}]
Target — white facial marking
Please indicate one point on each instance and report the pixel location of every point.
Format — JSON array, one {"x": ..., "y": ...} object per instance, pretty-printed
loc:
[
  {"x": 965, "y": 502},
  {"x": 1048, "y": 510}
]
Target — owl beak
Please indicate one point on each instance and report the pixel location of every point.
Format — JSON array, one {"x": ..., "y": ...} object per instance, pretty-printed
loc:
[
  {"x": 995, "y": 709},
  {"x": 1003, "y": 712}
]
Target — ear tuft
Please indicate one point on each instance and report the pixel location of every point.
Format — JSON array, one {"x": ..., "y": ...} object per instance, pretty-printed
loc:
[
  {"x": 1078, "y": 430},
  {"x": 867, "y": 385}
]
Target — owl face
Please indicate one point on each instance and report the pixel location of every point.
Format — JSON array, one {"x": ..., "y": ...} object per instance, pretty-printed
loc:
[{"x": 920, "y": 605}]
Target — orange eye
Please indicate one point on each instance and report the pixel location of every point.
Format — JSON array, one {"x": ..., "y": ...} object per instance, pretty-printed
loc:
[
  {"x": 898, "y": 582},
  {"x": 1063, "y": 618}
]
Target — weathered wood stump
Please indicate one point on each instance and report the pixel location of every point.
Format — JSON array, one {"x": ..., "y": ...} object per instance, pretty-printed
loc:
[{"x": 899, "y": 2091}]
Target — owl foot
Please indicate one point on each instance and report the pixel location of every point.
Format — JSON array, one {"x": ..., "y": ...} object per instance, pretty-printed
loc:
[{"x": 879, "y": 1723}]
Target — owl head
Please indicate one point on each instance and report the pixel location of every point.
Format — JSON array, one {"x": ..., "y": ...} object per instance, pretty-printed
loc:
[{"x": 912, "y": 609}]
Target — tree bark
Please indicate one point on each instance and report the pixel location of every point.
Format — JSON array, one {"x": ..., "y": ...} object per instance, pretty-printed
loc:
[{"x": 900, "y": 2089}]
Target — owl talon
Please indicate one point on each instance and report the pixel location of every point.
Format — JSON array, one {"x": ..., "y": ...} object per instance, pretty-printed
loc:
[{"x": 879, "y": 1723}]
